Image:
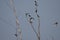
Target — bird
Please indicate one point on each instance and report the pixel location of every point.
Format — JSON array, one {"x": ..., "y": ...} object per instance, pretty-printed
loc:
[
  {"x": 35, "y": 3},
  {"x": 36, "y": 10},
  {"x": 15, "y": 35},
  {"x": 31, "y": 19},
  {"x": 56, "y": 23}
]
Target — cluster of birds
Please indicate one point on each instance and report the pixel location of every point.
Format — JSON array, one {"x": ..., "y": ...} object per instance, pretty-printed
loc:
[
  {"x": 30, "y": 17},
  {"x": 35, "y": 3}
]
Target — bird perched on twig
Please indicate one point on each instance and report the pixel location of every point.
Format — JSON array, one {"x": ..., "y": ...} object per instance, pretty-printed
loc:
[
  {"x": 35, "y": 3},
  {"x": 15, "y": 35},
  {"x": 28, "y": 14},
  {"x": 31, "y": 19}
]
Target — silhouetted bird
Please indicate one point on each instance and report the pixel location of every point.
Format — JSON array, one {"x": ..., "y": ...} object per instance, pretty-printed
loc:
[
  {"x": 15, "y": 35},
  {"x": 56, "y": 23},
  {"x": 36, "y": 10},
  {"x": 29, "y": 15},
  {"x": 31, "y": 19},
  {"x": 35, "y": 3}
]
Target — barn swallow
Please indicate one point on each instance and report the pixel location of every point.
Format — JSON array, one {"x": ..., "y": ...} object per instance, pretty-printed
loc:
[
  {"x": 56, "y": 23},
  {"x": 31, "y": 18},
  {"x": 36, "y": 10},
  {"x": 27, "y": 14}
]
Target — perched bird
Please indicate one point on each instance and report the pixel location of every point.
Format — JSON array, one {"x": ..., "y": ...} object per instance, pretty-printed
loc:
[
  {"x": 15, "y": 35},
  {"x": 56, "y": 23},
  {"x": 31, "y": 19},
  {"x": 36, "y": 10},
  {"x": 27, "y": 14},
  {"x": 35, "y": 3}
]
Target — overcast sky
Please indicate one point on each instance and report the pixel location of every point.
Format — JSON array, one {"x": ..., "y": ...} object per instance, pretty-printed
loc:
[{"x": 49, "y": 11}]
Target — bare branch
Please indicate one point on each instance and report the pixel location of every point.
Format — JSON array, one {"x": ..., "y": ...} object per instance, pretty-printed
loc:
[
  {"x": 17, "y": 21},
  {"x": 37, "y": 19}
]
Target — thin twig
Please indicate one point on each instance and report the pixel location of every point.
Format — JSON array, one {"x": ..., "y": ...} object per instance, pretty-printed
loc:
[{"x": 34, "y": 29}]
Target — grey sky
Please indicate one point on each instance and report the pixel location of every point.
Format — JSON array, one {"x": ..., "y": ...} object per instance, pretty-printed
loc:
[{"x": 49, "y": 11}]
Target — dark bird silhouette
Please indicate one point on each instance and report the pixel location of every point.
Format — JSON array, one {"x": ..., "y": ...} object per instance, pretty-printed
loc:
[
  {"x": 35, "y": 3},
  {"x": 15, "y": 35},
  {"x": 36, "y": 10},
  {"x": 31, "y": 18},
  {"x": 56, "y": 23},
  {"x": 29, "y": 15}
]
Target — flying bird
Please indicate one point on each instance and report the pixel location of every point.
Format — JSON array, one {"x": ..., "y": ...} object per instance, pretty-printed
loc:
[
  {"x": 56, "y": 23},
  {"x": 27, "y": 14}
]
